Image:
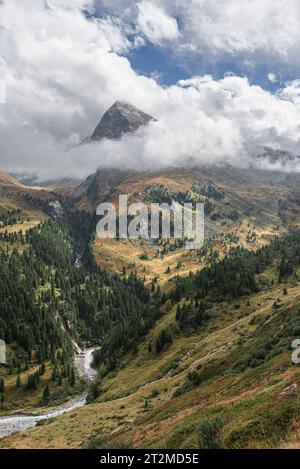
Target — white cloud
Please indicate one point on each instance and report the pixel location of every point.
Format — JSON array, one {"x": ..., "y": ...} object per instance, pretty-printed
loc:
[
  {"x": 248, "y": 64},
  {"x": 155, "y": 24},
  {"x": 291, "y": 92},
  {"x": 63, "y": 71},
  {"x": 238, "y": 26},
  {"x": 69, "y": 3},
  {"x": 57, "y": 66},
  {"x": 268, "y": 27},
  {"x": 272, "y": 77},
  {"x": 2, "y": 92}
]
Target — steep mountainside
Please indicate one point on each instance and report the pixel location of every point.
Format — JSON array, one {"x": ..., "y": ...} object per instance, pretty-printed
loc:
[
  {"x": 9, "y": 181},
  {"x": 120, "y": 119},
  {"x": 195, "y": 345},
  {"x": 241, "y": 208},
  {"x": 214, "y": 371}
]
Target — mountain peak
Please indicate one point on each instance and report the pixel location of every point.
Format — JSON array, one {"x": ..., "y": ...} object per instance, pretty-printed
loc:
[
  {"x": 121, "y": 118},
  {"x": 121, "y": 103}
]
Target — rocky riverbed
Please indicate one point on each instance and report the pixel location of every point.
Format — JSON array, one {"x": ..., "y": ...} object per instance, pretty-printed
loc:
[{"x": 15, "y": 423}]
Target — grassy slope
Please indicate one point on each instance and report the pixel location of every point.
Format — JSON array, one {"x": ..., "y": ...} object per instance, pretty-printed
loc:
[
  {"x": 248, "y": 401},
  {"x": 31, "y": 215},
  {"x": 12, "y": 197},
  {"x": 239, "y": 193},
  {"x": 114, "y": 255}
]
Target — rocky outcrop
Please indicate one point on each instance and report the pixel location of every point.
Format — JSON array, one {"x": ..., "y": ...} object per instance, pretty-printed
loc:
[{"x": 120, "y": 119}]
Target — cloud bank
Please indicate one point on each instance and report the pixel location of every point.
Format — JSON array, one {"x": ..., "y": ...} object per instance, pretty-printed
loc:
[
  {"x": 222, "y": 26},
  {"x": 63, "y": 68}
]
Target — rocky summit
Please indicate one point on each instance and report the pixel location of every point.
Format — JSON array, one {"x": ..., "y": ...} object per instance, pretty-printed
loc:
[{"x": 120, "y": 119}]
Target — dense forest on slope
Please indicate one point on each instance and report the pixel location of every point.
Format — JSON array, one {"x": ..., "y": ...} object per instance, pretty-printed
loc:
[
  {"x": 238, "y": 273},
  {"x": 45, "y": 298}
]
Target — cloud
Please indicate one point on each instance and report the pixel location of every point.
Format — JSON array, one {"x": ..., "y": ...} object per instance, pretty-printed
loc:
[
  {"x": 68, "y": 4},
  {"x": 2, "y": 92},
  {"x": 63, "y": 70},
  {"x": 239, "y": 29},
  {"x": 155, "y": 24},
  {"x": 291, "y": 92},
  {"x": 272, "y": 77},
  {"x": 58, "y": 66},
  {"x": 203, "y": 120},
  {"x": 243, "y": 26}
]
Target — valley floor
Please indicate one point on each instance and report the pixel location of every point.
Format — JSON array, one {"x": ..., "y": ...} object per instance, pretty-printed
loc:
[{"x": 259, "y": 406}]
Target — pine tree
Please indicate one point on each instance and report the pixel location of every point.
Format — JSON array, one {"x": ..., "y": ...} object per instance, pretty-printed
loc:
[
  {"x": 72, "y": 378},
  {"x": 93, "y": 392},
  {"x": 18, "y": 382},
  {"x": 42, "y": 369},
  {"x": 2, "y": 386},
  {"x": 46, "y": 393}
]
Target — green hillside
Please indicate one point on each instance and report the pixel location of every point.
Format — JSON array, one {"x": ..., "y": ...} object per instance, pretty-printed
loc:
[{"x": 194, "y": 356}]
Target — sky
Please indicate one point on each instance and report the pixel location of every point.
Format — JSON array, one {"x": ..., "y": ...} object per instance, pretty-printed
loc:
[{"x": 221, "y": 77}]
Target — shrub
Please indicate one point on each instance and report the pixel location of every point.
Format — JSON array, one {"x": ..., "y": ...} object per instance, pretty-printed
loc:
[{"x": 209, "y": 434}]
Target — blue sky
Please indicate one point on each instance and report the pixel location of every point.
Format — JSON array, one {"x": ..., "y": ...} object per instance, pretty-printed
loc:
[{"x": 153, "y": 60}]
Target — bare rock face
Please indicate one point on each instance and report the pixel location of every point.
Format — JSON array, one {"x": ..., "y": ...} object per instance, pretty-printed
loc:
[{"x": 120, "y": 119}]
